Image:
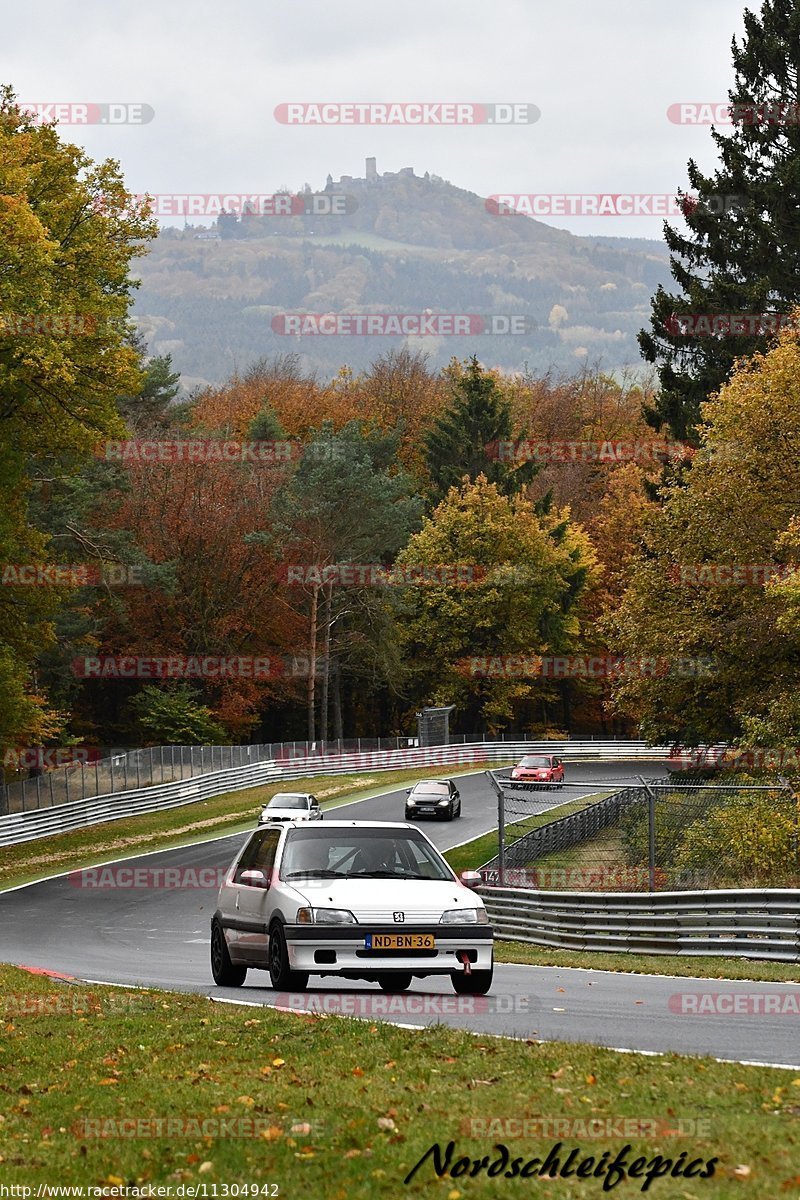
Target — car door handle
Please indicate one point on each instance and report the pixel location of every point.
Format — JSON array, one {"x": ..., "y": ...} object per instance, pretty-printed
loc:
[{"x": 237, "y": 901}]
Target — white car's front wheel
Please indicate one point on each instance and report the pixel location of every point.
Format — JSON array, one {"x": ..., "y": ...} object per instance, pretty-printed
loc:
[
  {"x": 395, "y": 983},
  {"x": 281, "y": 975}
]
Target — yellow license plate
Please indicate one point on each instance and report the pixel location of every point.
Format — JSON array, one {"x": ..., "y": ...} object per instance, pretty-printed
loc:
[{"x": 400, "y": 941}]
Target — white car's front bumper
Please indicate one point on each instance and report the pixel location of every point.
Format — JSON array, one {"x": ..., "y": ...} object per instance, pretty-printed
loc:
[{"x": 341, "y": 949}]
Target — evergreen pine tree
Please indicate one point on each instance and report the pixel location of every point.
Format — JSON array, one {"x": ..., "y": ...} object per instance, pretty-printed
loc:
[
  {"x": 465, "y": 438},
  {"x": 741, "y": 253}
]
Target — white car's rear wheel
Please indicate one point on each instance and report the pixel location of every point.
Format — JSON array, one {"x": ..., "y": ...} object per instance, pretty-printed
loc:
[
  {"x": 477, "y": 983},
  {"x": 225, "y": 972}
]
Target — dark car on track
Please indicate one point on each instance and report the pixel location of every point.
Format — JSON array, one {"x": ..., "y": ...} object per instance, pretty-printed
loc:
[{"x": 433, "y": 798}]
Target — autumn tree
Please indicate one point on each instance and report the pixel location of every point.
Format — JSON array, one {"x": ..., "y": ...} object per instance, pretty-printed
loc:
[
  {"x": 687, "y": 605},
  {"x": 211, "y": 589},
  {"x": 519, "y": 594},
  {"x": 348, "y": 502},
  {"x": 172, "y": 716},
  {"x": 68, "y": 232}
]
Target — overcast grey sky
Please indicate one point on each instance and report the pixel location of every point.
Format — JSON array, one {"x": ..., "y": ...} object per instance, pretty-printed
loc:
[{"x": 602, "y": 75}]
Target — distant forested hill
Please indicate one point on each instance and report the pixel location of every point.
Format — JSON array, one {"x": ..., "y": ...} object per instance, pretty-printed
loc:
[{"x": 412, "y": 244}]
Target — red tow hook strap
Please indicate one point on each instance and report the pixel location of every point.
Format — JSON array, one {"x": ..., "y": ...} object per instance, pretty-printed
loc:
[{"x": 463, "y": 957}]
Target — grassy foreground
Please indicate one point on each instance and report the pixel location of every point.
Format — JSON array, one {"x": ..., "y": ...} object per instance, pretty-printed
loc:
[
  {"x": 228, "y": 813},
  {"x": 329, "y": 1108}
]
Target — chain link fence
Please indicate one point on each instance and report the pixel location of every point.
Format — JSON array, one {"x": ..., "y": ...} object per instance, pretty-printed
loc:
[
  {"x": 657, "y": 836},
  {"x": 125, "y": 769}
]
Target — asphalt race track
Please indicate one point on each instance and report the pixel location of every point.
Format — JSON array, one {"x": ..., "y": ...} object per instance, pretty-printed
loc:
[{"x": 157, "y": 935}]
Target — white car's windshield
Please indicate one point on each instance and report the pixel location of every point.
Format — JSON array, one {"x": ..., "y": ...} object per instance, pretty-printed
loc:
[
  {"x": 287, "y": 800},
  {"x": 361, "y": 853}
]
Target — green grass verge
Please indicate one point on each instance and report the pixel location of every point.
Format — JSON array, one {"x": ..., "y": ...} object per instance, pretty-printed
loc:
[
  {"x": 474, "y": 854},
  {"x": 229, "y": 813},
  {"x": 702, "y": 966},
  {"x": 334, "y": 1109}
]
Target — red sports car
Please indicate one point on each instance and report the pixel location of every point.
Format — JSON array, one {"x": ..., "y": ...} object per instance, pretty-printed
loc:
[{"x": 539, "y": 768}]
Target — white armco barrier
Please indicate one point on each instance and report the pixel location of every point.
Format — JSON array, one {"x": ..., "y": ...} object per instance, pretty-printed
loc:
[{"x": 733, "y": 923}]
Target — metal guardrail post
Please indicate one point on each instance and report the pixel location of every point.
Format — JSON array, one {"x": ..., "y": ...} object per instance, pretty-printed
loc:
[
  {"x": 501, "y": 824},
  {"x": 651, "y": 833}
]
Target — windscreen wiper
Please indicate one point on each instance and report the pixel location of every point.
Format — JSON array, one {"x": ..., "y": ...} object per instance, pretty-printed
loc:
[{"x": 318, "y": 873}]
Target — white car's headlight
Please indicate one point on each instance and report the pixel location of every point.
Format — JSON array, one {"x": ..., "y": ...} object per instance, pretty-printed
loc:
[
  {"x": 464, "y": 916},
  {"x": 411, "y": 801},
  {"x": 325, "y": 916},
  {"x": 444, "y": 801}
]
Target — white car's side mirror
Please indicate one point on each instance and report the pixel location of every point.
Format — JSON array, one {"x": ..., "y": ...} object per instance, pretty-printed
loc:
[
  {"x": 254, "y": 878},
  {"x": 471, "y": 879}
]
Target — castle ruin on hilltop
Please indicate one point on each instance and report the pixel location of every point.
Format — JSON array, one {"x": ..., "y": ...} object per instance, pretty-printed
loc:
[{"x": 372, "y": 177}]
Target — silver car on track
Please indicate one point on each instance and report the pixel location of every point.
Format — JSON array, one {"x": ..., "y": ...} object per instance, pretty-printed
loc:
[{"x": 356, "y": 899}]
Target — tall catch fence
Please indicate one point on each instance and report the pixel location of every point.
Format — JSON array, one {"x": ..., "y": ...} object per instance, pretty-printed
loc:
[
  {"x": 126, "y": 770},
  {"x": 131, "y": 770},
  {"x": 656, "y": 836}
]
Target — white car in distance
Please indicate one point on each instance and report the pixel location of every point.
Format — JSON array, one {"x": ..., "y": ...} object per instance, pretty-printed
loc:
[
  {"x": 355, "y": 899},
  {"x": 291, "y": 806}
]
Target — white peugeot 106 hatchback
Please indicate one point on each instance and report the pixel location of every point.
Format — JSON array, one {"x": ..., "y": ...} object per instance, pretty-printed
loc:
[{"x": 357, "y": 899}]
